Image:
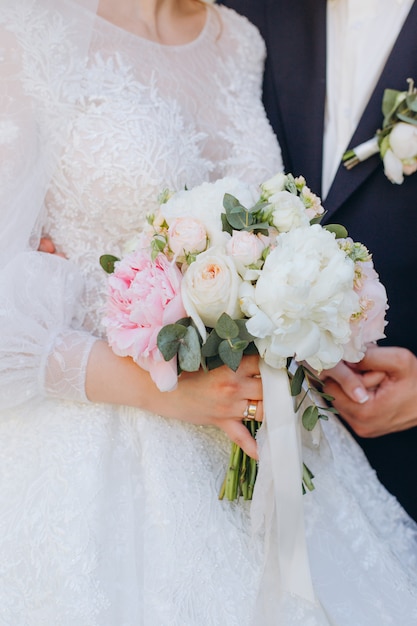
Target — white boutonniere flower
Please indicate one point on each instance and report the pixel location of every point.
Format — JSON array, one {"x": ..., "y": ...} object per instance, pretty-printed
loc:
[{"x": 396, "y": 142}]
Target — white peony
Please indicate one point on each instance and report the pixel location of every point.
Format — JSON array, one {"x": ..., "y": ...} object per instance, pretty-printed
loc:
[
  {"x": 303, "y": 300},
  {"x": 209, "y": 288},
  {"x": 205, "y": 203}
]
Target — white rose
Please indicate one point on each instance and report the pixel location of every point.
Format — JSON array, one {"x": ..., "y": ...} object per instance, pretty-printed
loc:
[
  {"x": 186, "y": 235},
  {"x": 305, "y": 294},
  {"x": 205, "y": 203},
  {"x": 393, "y": 167},
  {"x": 403, "y": 140},
  {"x": 288, "y": 211},
  {"x": 273, "y": 185},
  {"x": 209, "y": 288}
]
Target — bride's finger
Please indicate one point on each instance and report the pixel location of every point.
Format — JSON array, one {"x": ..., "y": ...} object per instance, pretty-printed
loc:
[{"x": 239, "y": 434}]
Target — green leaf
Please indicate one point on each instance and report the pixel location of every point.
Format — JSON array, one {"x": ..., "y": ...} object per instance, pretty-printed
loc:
[
  {"x": 226, "y": 328},
  {"x": 310, "y": 417},
  {"x": 251, "y": 349},
  {"x": 107, "y": 262},
  {"x": 308, "y": 478},
  {"x": 189, "y": 356},
  {"x": 297, "y": 381},
  {"x": 389, "y": 101},
  {"x": 238, "y": 344},
  {"x": 169, "y": 339},
  {"x": 229, "y": 356},
  {"x": 211, "y": 345},
  {"x": 214, "y": 362},
  {"x": 237, "y": 215},
  {"x": 243, "y": 331},
  {"x": 407, "y": 119},
  {"x": 411, "y": 101},
  {"x": 339, "y": 230},
  {"x": 225, "y": 224}
]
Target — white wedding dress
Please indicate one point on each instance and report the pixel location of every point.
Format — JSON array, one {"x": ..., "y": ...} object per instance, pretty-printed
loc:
[{"x": 109, "y": 516}]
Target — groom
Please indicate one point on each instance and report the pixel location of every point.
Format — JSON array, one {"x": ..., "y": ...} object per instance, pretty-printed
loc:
[{"x": 323, "y": 92}]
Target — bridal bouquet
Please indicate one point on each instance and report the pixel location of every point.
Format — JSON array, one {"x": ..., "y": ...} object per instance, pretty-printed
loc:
[
  {"x": 396, "y": 142},
  {"x": 226, "y": 269}
]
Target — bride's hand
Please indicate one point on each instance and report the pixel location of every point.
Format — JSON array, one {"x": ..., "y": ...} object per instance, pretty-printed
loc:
[
  {"x": 216, "y": 398},
  {"x": 220, "y": 398}
]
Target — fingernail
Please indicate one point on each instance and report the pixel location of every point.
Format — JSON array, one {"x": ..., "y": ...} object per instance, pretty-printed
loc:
[{"x": 360, "y": 395}]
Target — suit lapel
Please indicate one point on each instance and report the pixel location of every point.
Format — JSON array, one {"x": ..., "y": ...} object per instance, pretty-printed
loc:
[
  {"x": 401, "y": 64},
  {"x": 298, "y": 64}
]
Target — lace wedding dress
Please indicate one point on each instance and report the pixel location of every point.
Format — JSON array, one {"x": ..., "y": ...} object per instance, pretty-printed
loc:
[{"x": 109, "y": 516}]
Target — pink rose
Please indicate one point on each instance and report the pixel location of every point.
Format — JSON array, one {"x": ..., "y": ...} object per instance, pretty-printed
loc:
[
  {"x": 368, "y": 324},
  {"x": 144, "y": 296},
  {"x": 246, "y": 248},
  {"x": 186, "y": 235}
]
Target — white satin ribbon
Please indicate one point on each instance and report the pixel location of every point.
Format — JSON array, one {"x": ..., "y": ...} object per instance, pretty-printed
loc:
[{"x": 278, "y": 501}]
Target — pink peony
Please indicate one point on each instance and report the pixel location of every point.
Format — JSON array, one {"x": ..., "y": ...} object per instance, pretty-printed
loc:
[{"x": 144, "y": 296}]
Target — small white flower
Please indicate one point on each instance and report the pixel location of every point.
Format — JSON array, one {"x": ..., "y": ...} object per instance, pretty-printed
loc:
[
  {"x": 273, "y": 185},
  {"x": 288, "y": 211}
]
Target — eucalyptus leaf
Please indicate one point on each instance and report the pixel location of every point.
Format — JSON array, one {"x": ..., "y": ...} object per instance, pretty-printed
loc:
[
  {"x": 239, "y": 344},
  {"x": 211, "y": 345},
  {"x": 232, "y": 204},
  {"x": 169, "y": 340},
  {"x": 213, "y": 362},
  {"x": 339, "y": 230},
  {"x": 226, "y": 227},
  {"x": 226, "y": 328},
  {"x": 240, "y": 219},
  {"x": 407, "y": 119},
  {"x": 243, "y": 331},
  {"x": 189, "y": 358},
  {"x": 230, "y": 357},
  {"x": 297, "y": 381},
  {"x": 310, "y": 417},
  {"x": 107, "y": 262}
]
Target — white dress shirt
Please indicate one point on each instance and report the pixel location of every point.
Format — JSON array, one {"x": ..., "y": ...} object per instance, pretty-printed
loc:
[{"x": 360, "y": 36}]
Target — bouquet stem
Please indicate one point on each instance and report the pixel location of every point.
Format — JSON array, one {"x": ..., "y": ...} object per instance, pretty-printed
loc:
[{"x": 241, "y": 474}]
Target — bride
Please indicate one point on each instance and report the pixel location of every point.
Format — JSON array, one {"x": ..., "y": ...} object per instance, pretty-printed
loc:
[{"x": 109, "y": 513}]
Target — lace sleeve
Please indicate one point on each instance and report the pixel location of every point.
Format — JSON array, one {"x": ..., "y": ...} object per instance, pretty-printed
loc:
[{"x": 43, "y": 349}]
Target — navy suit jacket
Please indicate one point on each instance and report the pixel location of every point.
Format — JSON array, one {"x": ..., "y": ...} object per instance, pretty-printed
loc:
[{"x": 376, "y": 212}]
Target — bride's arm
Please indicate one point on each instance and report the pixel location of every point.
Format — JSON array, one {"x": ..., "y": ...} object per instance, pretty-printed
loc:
[{"x": 215, "y": 398}]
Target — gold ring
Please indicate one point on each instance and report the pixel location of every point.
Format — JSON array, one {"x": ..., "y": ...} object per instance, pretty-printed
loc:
[{"x": 250, "y": 412}]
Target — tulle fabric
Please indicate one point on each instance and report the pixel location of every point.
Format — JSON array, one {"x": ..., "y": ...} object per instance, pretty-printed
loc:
[{"x": 109, "y": 516}]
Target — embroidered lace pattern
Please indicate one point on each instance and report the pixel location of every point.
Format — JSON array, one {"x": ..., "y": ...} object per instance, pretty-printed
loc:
[{"x": 109, "y": 516}]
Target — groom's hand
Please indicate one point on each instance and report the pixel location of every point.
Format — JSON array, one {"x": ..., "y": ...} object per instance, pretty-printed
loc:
[{"x": 389, "y": 376}]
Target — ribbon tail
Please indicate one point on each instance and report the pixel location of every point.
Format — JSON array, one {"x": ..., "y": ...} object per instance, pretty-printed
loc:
[{"x": 278, "y": 500}]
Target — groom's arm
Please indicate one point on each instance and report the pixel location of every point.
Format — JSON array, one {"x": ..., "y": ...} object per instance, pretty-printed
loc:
[{"x": 389, "y": 375}]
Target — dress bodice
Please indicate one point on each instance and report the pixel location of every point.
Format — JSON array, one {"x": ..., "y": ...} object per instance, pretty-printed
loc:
[{"x": 142, "y": 125}]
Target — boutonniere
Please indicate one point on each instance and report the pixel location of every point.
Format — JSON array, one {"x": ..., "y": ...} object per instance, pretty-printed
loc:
[{"x": 396, "y": 141}]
